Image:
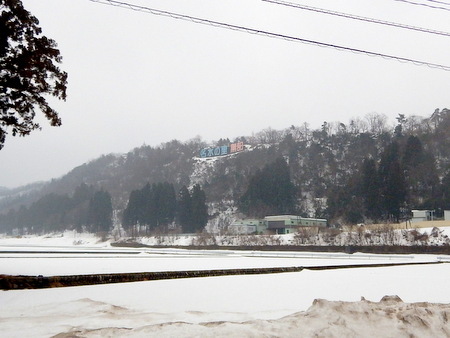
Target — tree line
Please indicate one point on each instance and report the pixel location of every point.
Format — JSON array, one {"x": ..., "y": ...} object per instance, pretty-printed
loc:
[
  {"x": 361, "y": 171},
  {"x": 87, "y": 209},
  {"x": 364, "y": 171},
  {"x": 156, "y": 207},
  {"x": 405, "y": 177}
]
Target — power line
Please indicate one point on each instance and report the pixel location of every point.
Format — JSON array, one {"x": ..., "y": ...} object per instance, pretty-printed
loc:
[
  {"x": 266, "y": 33},
  {"x": 425, "y": 5},
  {"x": 355, "y": 17},
  {"x": 439, "y": 2}
]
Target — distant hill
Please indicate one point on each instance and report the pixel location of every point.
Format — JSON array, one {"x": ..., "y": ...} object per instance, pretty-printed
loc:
[{"x": 325, "y": 166}]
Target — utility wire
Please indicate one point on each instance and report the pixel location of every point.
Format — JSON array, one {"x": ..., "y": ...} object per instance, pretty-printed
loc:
[
  {"x": 439, "y": 2},
  {"x": 355, "y": 17},
  {"x": 265, "y": 33},
  {"x": 425, "y": 5}
]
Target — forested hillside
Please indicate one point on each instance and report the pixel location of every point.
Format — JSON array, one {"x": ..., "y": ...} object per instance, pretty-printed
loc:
[{"x": 364, "y": 170}]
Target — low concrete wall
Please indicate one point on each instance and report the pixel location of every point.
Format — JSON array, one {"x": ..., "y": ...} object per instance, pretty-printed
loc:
[{"x": 8, "y": 282}]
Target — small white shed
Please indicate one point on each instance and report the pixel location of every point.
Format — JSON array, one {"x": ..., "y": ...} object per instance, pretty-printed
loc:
[{"x": 422, "y": 215}]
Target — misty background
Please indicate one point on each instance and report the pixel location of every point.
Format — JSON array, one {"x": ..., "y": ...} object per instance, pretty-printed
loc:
[{"x": 137, "y": 78}]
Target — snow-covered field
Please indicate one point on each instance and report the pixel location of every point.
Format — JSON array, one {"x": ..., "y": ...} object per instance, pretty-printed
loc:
[{"x": 279, "y": 305}]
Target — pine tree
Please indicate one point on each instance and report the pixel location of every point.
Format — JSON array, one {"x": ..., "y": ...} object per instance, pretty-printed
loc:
[
  {"x": 100, "y": 212},
  {"x": 133, "y": 213},
  {"x": 29, "y": 71},
  {"x": 167, "y": 203},
  {"x": 421, "y": 176},
  {"x": 270, "y": 191},
  {"x": 445, "y": 191},
  {"x": 199, "y": 217},
  {"x": 80, "y": 205},
  {"x": 370, "y": 190},
  {"x": 153, "y": 206},
  {"x": 184, "y": 212},
  {"x": 149, "y": 207},
  {"x": 392, "y": 182},
  {"x": 344, "y": 202}
]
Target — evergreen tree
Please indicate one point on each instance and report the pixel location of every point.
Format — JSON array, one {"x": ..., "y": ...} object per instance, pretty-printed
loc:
[
  {"x": 160, "y": 203},
  {"x": 149, "y": 207},
  {"x": 46, "y": 214},
  {"x": 153, "y": 206},
  {"x": 421, "y": 176},
  {"x": 345, "y": 204},
  {"x": 78, "y": 215},
  {"x": 413, "y": 155},
  {"x": 370, "y": 190},
  {"x": 133, "y": 213},
  {"x": 100, "y": 212},
  {"x": 392, "y": 182},
  {"x": 167, "y": 203},
  {"x": 185, "y": 210},
  {"x": 192, "y": 210},
  {"x": 199, "y": 216},
  {"x": 29, "y": 71},
  {"x": 445, "y": 192},
  {"x": 270, "y": 191},
  {"x": 82, "y": 193}
]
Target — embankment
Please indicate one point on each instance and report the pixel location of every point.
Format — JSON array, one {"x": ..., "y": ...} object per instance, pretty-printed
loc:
[{"x": 8, "y": 282}]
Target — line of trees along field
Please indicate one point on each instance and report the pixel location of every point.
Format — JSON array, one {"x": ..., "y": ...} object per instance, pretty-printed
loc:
[
  {"x": 87, "y": 209},
  {"x": 156, "y": 207}
]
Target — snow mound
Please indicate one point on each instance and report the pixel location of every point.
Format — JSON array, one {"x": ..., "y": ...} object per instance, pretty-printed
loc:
[{"x": 390, "y": 317}]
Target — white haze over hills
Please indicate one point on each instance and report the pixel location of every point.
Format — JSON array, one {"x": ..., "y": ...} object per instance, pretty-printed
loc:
[{"x": 137, "y": 78}]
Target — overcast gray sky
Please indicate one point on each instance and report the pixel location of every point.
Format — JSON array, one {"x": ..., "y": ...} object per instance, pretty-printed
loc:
[{"x": 138, "y": 78}]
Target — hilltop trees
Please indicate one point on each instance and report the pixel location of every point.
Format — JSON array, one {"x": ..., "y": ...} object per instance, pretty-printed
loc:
[
  {"x": 29, "y": 71},
  {"x": 363, "y": 171},
  {"x": 405, "y": 177}
]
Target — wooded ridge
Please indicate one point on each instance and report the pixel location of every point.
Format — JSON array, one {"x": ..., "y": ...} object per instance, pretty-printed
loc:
[{"x": 363, "y": 171}]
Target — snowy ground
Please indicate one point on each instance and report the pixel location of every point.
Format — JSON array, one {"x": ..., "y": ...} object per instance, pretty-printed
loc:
[{"x": 278, "y": 305}]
